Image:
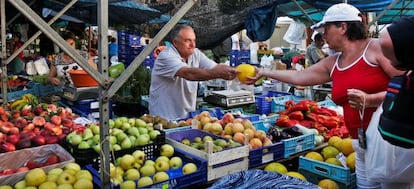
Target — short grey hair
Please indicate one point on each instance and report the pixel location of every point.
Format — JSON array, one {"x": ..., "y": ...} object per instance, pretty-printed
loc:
[{"x": 174, "y": 33}]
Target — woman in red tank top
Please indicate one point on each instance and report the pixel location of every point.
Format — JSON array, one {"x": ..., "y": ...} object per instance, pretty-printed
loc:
[{"x": 359, "y": 73}]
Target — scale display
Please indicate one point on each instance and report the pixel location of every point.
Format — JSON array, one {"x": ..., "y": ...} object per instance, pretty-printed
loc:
[
  {"x": 230, "y": 98},
  {"x": 83, "y": 93}
]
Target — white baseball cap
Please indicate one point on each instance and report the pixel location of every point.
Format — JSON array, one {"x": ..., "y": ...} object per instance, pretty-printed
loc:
[{"x": 339, "y": 12}]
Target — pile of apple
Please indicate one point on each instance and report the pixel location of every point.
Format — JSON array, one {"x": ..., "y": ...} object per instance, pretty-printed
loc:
[
  {"x": 237, "y": 129},
  {"x": 219, "y": 144},
  {"x": 71, "y": 176},
  {"x": 31, "y": 164},
  {"x": 135, "y": 170},
  {"x": 124, "y": 132},
  {"x": 35, "y": 126}
]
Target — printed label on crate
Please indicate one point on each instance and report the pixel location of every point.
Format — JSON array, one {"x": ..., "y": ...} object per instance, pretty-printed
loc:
[
  {"x": 268, "y": 158},
  {"x": 94, "y": 105},
  {"x": 299, "y": 148}
]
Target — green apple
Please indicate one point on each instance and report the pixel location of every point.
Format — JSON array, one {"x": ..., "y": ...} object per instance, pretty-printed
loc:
[
  {"x": 140, "y": 123},
  {"x": 127, "y": 161},
  {"x": 129, "y": 184},
  {"x": 142, "y": 140},
  {"x": 48, "y": 185},
  {"x": 131, "y": 121},
  {"x": 153, "y": 134},
  {"x": 75, "y": 139},
  {"x": 176, "y": 162},
  {"x": 116, "y": 147},
  {"x": 162, "y": 158},
  {"x": 160, "y": 177},
  {"x": 117, "y": 179},
  {"x": 167, "y": 150},
  {"x": 133, "y": 131},
  {"x": 95, "y": 129},
  {"x": 118, "y": 161},
  {"x": 132, "y": 174},
  {"x": 55, "y": 171},
  {"x": 35, "y": 177},
  {"x": 125, "y": 126},
  {"x": 87, "y": 134},
  {"x": 116, "y": 131},
  {"x": 147, "y": 170},
  {"x": 142, "y": 130},
  {"x": 20, "y": 185},
  {"x": 133, "y": 140},
  {"x": 186, "y": 141},
  {"x": 112, "y": 140},
  {"x": 124, "y": 119},
  {"x": 6, "y": 187},
  {"x": 66, "y": 177},
  {"x": 64, "y": 186},
  {"x": 198, "y": 139},
  {"x": 83, "y": 184},
  {"x": 72, "y": 166},
  {"x": 207, "y": 138},
  {"x": 121, "y": 137},
  {"x": 84, "y": 145},
  {"x": 97, "y": 148},
  {"x": 83, "y": 174},
  {"x": 139, "y": 156},
  {"x": 189, "y": 168},
  {"x": 149, "y": 162},
  {"x": 126, "y": 143},
  {"x": 111, "y": 123},
  {"x": 118, "y": 122},
  {"x": 52, "y": 177},
  {"x": 162, "y": 165},
  {"x": 144, "y": 181},
  {"x": 96, "y": 139},
  {"x": 150, "y": 127}
]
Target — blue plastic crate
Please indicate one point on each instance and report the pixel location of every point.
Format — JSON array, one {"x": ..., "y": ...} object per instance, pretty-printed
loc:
[
  {"x": 298, "y": 144},
  {"x": 264, "y": 102},
  {"x": 278, "y": 103},
  {"x": 334, "y": 172},
  {"x": 86, "y": 107},
  {"x": 11, "y": 96},
  {"x": 177, "y": 179},
  {"x": 266, "y": 122},
  {"x": 172, "y": 130},
  {"x": 265, "y": 154},
  {"x": 44, "y": 90},
  {"x": 210, "y": 110},
  {"x": 315, "y": 178},
  {"x": 237, "y": 113}
]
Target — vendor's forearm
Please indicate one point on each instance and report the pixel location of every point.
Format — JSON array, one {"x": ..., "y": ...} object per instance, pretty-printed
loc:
[{"x": 374, "y": 100}]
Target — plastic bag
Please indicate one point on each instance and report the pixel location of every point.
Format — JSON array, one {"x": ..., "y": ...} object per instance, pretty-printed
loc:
[
  {"x": 386, "y": 162},
  {"x": 30, "y": 69}
]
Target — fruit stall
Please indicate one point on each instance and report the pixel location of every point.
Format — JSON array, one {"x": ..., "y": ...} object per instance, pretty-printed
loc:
[{"x": 57, "y": 137}]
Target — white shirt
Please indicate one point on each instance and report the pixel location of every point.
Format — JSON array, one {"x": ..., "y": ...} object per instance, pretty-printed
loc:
[{"x": 170, "y": 96}]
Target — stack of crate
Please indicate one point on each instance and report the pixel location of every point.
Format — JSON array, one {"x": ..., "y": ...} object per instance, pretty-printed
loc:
[{"x": 129, "y": 47}]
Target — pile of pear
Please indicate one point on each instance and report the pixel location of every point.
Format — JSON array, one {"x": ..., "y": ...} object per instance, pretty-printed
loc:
[{"x": 218, "y": 144}]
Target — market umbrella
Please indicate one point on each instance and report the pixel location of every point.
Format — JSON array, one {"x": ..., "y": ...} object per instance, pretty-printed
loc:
[
  {"x": 165, "y": 18},
  {"x": 119, "y": 12}
]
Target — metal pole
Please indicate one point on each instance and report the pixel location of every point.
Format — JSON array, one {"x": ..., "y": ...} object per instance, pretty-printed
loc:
[
  {"x": 103, "y": 103},
  {"x": 390, "y": 6},
  {"x": 3, "y": 52},
  {"x": 303, "y": 11},
  {"x": 148, "y": 49}
]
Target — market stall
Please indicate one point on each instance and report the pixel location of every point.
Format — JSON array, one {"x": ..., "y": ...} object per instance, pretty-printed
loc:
[{"x": 285, "y": 136}]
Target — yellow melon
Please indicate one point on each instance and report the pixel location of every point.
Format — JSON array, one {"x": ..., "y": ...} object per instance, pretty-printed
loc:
[
  {"x": 329, "y": 152},
  {"x": 276, "y": 167},
  {"x": 246, "y": 70},
  {"x": 328, "y": 184},
  {"x": 296, "y": 174},
  {"x": 345, "y": 146},
  {"x": 350, "y": 161},
  {"x": 334, "y": 141},
  {"x": 314, "y": 155}
]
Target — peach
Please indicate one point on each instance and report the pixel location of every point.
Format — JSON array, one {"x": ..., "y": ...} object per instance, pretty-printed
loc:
[
  {"x": 228, "y": 118},
  {"x": 204, "y": 120},
  {"x": 228, "y": 130},
  {"x": 216, "y": 128},
  {"x": 260, "y": 135},
  {"x": 255, "y": 143},
  {"x": 205, "y": 114},
  {"x": 267, "y": 142},
  {"x": 249, "y": 132},
  {"x": 239, "y": 137},
  {"x": 247, "y": 124},
  {"x": 207, "y": 127},
  {"x": 237, "y": 127}
]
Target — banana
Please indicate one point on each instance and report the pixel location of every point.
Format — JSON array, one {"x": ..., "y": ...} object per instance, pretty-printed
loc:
[
  {"x": 21, "y": 105},
  {"x": 17, "y": 103}
]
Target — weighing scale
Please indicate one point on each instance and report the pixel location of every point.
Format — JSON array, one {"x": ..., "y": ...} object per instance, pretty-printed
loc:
[
  {"x": 74, "y": 94},
  {"x": 230, "y": 98}
]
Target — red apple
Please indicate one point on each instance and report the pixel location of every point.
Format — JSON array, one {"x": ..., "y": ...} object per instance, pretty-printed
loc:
[
  {"x": 2, "y": 137},
  {"x": 51, "y": 108},
  {"x": 62, "y": 137},
  {"x": 2, "y": 111},
  {"x": 67, "y": 122},
  {"x": 27, "y": 135},
  {"x": 7, "y": 147},
  {"x": 16, "y": 114},
  {"x": 14, "y": 130},
  {"x": 22, "y": 169},
  {"x": 13, "y": 139},
  {"x": 52, "y": 140},
  {"x": 39, "y": 121},
  {"x": 38, "y": 140},
  {"x": 32, "y": 164},
  {"x": 53, "y": 159},
  {"x": 55, "y": 119},
  {"x": 29, "y": 127},
  {"x": 24, "y": 143},
  {"x": 20, "y": 122},
  {"x": 38, "y": 110}
]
